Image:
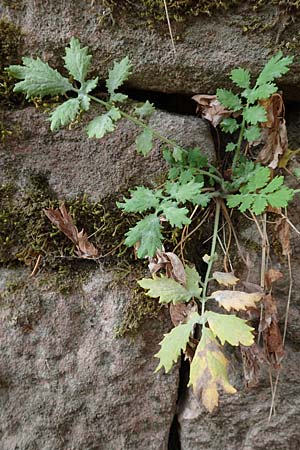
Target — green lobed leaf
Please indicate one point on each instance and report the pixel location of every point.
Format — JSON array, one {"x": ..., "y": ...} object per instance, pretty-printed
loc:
[
  {"x": 230, "y": 328},
  {"x": 230, "y": 147},
  {"x": 261, "y": 92},
  {"x": 64, "y": 113},
  {"x": 141, "y": 200},
  {"x": 281, "y": 198},
  {"x": 274, "y": 194},
  {"x": 147, "y": 232},
  {"x": 177, "y": 154},
  {"x": 118, "y": 97},
  {"x": 118, "y": 74},
  {"x": 89, "y": 85},
  {"x": 185, "y": 176},
  {"x": 193, "y": 280},
  {"x": 296, "y": 172},
  {"x": 174, "y": 342},
  {"x": 275, "y": 68},
  {"x": 177, "y": 217},
  {"x": 170, "y": 291},
  {"x": 229, "y": 99},
  {"x": 185, "y": 192},
  {"x": 252, "y": 133},
  {"x": 255, "y": 114},
  {"x": 103, "y": 124},
  {"x": 229, "y": 125},
  {"x": 144, "y": 142},
  {"x": 145, "y": 110},
  {"x": 258, "y": 180},
  {"x": 39, "y": 79},
  {"x": 196, "y": 158},
  {"x": 274, "y": 185},
  {"x": 77, "y": 60},
  {"x": 241, "y": 77}
]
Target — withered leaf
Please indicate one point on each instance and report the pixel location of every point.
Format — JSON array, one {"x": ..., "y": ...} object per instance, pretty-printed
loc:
[
  {"x": 169, "y": 262},
  {"x": 211, "y": 109},
  {"x": 209, "y": 370},
  {"x": 64, "y": 222},
  {"x": 253, "y": 359},
  {"x": 283, "y": 229},
  {"x": 273, "y": 344},
  {"x": 275, "y": 133},
  {"x": 271, "y": 276},
  {"x": 180, "y": 312},
  {"x": 86, "y": 249},
  {"x": 236, "y": 300},
  {"x": 225, "y": 278}
]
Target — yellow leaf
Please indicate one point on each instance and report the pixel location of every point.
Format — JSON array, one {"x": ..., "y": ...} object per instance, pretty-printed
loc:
[
  {"x": 230, "y": 328},
  {"x": 226, "y": 278},
  {"x": 237, "y": 300},
  {"x": 209, "y": 370}
]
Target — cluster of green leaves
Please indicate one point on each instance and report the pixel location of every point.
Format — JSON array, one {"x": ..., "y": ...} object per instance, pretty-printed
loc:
[
  {"x": 246, "y": 103},
  {"x": 256, "y": 191},
  {"x": 39, "y": 79},
  {"x": 169, "y": 203}
]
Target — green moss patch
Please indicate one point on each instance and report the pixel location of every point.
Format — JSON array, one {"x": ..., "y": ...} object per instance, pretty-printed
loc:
[{"x": 26, "y": 233}]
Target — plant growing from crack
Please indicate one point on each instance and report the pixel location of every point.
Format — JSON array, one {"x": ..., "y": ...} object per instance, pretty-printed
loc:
[{"x": 254, "y": 114}]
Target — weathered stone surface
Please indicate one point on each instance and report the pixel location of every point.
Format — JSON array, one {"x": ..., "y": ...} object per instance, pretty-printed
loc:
[
  {"x": 241, "y": 422},
  {"x": 208, "y": 48},
  {"x": 67, "y": 383},
  {"x": 97, "y": 167}
]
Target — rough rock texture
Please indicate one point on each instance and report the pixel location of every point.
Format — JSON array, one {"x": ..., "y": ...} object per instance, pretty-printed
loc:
[
  {"x": 67, "y": 383},
  {"x": 99, "y": 168},
  {"x": 241, "y": 422},
  {"x": 207, "y": 49}
]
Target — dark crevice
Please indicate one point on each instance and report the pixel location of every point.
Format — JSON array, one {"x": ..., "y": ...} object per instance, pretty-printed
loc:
[
  {"x": 174, "y": 436},
  {"x": 173, "y": 103}
]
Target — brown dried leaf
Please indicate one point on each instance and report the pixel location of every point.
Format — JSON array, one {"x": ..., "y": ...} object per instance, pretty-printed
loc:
[
  {"x": 271, "y": 276},
  {"x": 85, "y": 249},
  {"x": 181, "y": 311},
  {"x": 169, "y": 262},
  {"x": 283, "y": 229},
  {"x": 211, "y": 109},
  {"x": 225, "y": 278},
  {"x": 273, "y": 344},
  {"x": 253, "y": 358},
  {"x": 275, "y": 135},
  {"x": 236, "y": 300},
  {"x": 63, "y": 221}
]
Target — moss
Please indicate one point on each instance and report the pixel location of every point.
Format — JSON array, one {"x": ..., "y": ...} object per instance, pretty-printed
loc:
[
  {"x": 178, "y": 10},
  {"x": 10, "y": 42},
  {"x": 26, "y": 233},
  {"x": 140, "y": 307}
]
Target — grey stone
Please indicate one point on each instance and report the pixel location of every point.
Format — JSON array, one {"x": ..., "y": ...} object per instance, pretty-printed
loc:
[
  {"x": 98, "y": 167},
  {"x": 68, "y": 383},
  {"x": 208, "y": 48}
]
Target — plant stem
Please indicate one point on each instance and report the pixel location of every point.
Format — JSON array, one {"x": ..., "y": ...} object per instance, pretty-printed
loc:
[
  {"x": 162, "y": 138},
  {"x": 212, "y": 254},
  {"x": 136, "y": 122},
  {"x": 239, "y": 144}
]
